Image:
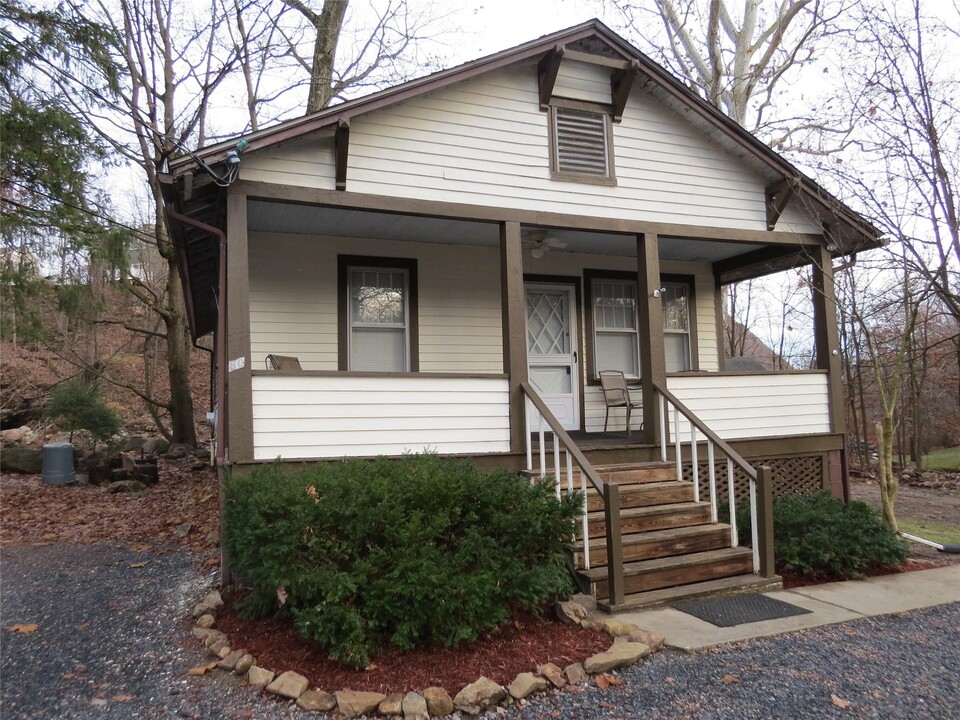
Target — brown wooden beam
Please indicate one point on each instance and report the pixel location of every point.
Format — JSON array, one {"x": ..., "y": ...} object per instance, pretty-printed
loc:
[
  {"x": 621, "y": 82},
  {"x": 778, "y": 196},
  {"x": 514, "y": 328},
  {"x": 827, "y": 335},
  {"x": 547, "y": 72},
  {"x": 653, "y": 368},
  {"x": 765, "y": 522},
  {"x": 759, "y": 262},
  {"x": 239, "y": 391},
  {"x": 601, "y": 60},
  {"x": 341, "y": 144}
]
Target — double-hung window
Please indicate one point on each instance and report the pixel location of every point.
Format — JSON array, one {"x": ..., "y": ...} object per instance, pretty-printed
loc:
[
  {"x": 676, "y": 326},
  {"x": 377, "y": 319},
  {"x": 615, "y": 339}
]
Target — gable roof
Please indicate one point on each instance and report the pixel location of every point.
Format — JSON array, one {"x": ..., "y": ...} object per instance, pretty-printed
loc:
[{"x": 197, "y": 215}]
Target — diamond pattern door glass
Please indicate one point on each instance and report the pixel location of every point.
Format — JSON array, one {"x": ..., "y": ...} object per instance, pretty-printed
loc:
[{"x": 547, "y": 323}]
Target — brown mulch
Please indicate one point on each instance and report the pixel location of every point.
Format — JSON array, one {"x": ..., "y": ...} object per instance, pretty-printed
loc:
[
  {"x": 797, "y": 579},
  {"x": 33, "y": 512},
  {"x": 519, "y": 646}
]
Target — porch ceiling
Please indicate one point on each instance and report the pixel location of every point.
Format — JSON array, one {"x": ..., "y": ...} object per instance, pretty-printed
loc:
[{"x": 291, "y": 218}]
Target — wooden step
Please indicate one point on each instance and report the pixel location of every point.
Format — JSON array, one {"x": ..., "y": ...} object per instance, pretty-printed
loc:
[
  {"x": 663, "y": 543},
  {"x": 622, "y": 474},
  {"x": 654, "y": 493},
  {"x": 667, "y": 572},
  {"x": 656, "y": 517},
  {"x": 734, "y": 585}
]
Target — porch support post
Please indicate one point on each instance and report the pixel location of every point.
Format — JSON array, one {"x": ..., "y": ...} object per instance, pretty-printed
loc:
[
  {"x": 650, "y": 314},
  {"x": 828, "y": 346},
  {"x": 514, "y": 328},
  {"x": 765, "y": 522},
  {"x": 239, "y": 410}
]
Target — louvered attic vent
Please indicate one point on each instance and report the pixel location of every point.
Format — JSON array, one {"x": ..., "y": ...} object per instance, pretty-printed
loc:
[{"x": 581, "y": 142}]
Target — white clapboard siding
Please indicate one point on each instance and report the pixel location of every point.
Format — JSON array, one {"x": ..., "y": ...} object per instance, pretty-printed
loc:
[
  {"x": 485, "y": 142},
  {"x": 798, "y": 218},
  {"x": 753, "y": 406},
  {"x": 582, "y": 81},
  {"x": 293, "y": 301},
  {"x": 302, "y": 416}
]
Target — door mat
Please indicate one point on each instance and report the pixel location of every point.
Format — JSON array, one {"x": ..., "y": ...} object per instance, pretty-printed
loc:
[{"x": 740, "y": 609}]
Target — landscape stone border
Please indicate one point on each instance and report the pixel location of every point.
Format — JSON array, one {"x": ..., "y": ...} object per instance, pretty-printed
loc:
[{"x": 630, "y": 645}]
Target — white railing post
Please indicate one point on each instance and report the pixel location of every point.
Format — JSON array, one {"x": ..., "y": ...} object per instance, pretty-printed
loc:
[
  {"x": 569, "y": 471},
  {"x": 543, "y": 448},
  {"x": 712, "y": 474},
  {"x": 732, "y": 503},
  {"x": 556, "y": 465},
  {"x": 665, "y": 421},
  {"x": 526, "y": 434},
  {"x": 755, "y": 527},
  {"x": 695, "y": 462},
  {"x": 676, "y": 442},
  {"x": 585, "y": 521}
]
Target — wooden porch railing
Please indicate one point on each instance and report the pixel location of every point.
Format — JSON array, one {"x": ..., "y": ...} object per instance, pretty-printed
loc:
[
  {"x": 610, "y": 492},
  {"x": 761, "y": 485}
]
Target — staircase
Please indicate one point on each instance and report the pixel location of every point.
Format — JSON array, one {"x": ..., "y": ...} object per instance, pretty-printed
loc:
[{"x": 671, "y": 548}]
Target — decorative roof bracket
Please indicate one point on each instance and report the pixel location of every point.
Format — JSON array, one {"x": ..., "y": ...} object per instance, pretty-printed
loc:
[
  {"x": 547, "y": 72},
  {"x": 341, "y": 144},
  {"x": 778, "y": 196}
]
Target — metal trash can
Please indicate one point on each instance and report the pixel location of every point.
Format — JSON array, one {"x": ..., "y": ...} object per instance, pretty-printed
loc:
[{"x": 58, "y": 464}]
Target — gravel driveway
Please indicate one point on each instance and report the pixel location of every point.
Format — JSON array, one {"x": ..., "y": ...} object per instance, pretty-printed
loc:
[{"x": 113, "y": 643}]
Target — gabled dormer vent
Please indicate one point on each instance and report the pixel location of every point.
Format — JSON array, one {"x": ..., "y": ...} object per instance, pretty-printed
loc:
[{"x": 582, "y": 142}]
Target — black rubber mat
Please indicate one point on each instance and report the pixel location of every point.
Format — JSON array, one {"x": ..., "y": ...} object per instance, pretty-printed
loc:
[{"x": 740, "y": 609}]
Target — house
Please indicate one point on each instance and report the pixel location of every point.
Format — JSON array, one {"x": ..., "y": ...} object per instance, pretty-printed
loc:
[{"x": 453, "y": 262}]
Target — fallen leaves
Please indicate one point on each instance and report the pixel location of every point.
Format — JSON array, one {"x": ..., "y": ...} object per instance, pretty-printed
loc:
[
  {"x": 202, "y": 669},
  {"x": 139, "y": 564},
  {"x": 730, "y": 679},
  {"x": 24, "y": 628},
  {"x": 840, "y": 702},
  {"x": 606, "y": 680}
]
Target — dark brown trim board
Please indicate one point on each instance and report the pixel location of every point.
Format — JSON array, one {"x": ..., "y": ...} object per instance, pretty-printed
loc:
[
  {"x": 344, "y": 263},
  {"x": 239, "y": 390},
  {"x": 827, "y": 335},
  {"x": 650, "y": 317},
  {"x": 719, "y": 309},
  {"x": 514, "y": 328},
  {"x": 372, "y": 374}
]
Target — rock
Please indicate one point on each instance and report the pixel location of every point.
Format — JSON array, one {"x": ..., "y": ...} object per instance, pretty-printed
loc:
[
  {"x": 231, "y": 660},
  {"x": 128, "y": 460},
  {"x": 391, "y": 705},
  {"x": 82, "y": 478},
  {"x": 654, "y": 640},
  {"x": 134, "y": 442},
  {"x": 212, "y": 637},
  {"x": 570, "y": 613},
  {"x": 289, "y": 685},
  {"x": 177, "y": 451},
  {"x": 554, "y": 674},
  {"x": 244, "y": 664},
  {"x": 619, "y": 655},
  {"x": 213, "y": 599},
  {"x": 217, "y": 645},
  {"x": 22, "y": 460},
  {"x": 155, "y": 445},
  {"x": 213, "y": 537},
  {"x": 575, "y": 673},
  {"x": 478, "y": 696},
  {"x": 526, "y": 684},
  {"x": 617, "y": 628},
  {"x": 439, "y": 702},
  {"x": 353, "y": 704},
  {"x": 206, "y": 621},
  {"x": 100, "y": 475},
  {"x": 126, "y": 486},
  {"x": 182, "y": 530},
  {"x": 203, "y": 633},
  {"x": 588, "y": 601},
  {"x": 22, "y": 435},
  {"x": 259, "y": 677},
  {"x": 414, "y": 707},
  {"x": 317, "y": 700},
  {"x": 201, "y": 609}
]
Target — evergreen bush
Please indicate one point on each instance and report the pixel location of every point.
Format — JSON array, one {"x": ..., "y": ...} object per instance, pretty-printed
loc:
[
  {"x": 410, "y": 552},
  {"x": 820, "y": 534},
  {"x": 78, "y": 406}
]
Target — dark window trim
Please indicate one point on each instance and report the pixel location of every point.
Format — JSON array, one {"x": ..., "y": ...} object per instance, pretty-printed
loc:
[
  {"x": 610, "y": 179},
  {"x": 577, "y": 283},
  {"x": 590, "y": 275},
  {"x": 344, "y": 263}
]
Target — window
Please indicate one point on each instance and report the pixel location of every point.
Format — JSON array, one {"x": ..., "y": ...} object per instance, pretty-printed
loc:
[
  {"x": 616, "y": 344},
  {"x": 613, "y": 325},
  {"x": 377, "y": 314},
  {"x": 676, "y": 326},
  {"x": 581, "y": 145}
]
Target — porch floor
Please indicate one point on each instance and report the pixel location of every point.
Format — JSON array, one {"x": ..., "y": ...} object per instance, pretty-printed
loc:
[{"x": 600, "y": 440}]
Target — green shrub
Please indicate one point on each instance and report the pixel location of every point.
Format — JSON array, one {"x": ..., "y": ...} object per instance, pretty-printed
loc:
[
  {"x": 413, "y": 551},
  {"x": 820, "y": 534},
  {"x": 78, "y": 406}
]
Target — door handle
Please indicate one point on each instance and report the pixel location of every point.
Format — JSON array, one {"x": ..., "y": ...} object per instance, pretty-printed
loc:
[{"x": 574, "y": 357}]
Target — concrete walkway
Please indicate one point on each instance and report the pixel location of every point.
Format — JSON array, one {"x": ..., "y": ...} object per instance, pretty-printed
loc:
[{"x": 829, "y": 603}]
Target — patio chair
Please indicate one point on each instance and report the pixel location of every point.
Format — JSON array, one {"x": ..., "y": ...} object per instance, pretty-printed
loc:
[
  {"x": 616, "y": 395},
  {"x": 284, "y": 363}
]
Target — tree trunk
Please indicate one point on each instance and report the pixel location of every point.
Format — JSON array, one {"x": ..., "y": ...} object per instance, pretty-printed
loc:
[
  {"x": 327, "y": 24},
  {"x": 182, "y": 425},
  {"x": 889, "y": 482}
]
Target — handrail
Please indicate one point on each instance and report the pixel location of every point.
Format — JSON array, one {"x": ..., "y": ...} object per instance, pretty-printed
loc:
[
  {"x": 562, "y": 435},
  {"x": 707, "y": 432}
]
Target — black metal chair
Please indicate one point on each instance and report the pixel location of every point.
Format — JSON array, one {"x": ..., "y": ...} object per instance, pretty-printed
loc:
[{"x": 616, "y": 394}]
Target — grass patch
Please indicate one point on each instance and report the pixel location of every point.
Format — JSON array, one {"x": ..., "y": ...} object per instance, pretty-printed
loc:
[
  {"x": 931, "y": 531},
  {"x": 945, "y": 459}
]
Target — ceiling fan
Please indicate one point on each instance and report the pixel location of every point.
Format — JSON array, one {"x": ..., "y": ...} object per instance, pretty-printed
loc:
[{"x": 539, "y": 243}]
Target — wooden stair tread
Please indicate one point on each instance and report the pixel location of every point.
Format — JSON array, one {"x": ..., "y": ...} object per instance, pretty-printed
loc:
[
  {"x": 640, "y": 488},
  {"x": 652, "y": 536},
  {"x": 675, "y": 562},
  {"x": 734, "y": 585},
  {"x": 651, "y": 510}
]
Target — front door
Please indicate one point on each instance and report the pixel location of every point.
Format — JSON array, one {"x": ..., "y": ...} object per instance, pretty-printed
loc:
[{"x": 552, "y": 362}]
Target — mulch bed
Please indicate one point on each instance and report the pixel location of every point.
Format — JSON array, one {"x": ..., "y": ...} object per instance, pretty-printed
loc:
[
  {"x": 796, "y": 579},
  {"x": 519, "y": 646}
]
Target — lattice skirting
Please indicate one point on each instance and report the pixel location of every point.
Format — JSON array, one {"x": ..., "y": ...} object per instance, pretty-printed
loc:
[{"x": 791, "y": 476}]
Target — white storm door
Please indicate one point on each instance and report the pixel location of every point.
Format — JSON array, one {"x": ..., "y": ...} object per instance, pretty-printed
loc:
[{"x": 552, "y": 362}]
